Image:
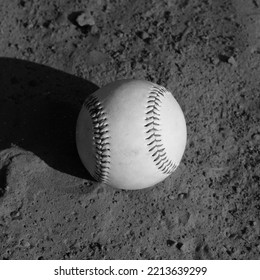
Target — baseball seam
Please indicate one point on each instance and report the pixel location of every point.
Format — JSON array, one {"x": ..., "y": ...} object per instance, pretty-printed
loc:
[
  {"x": 101, "y": 138},
  {"x": 153, "y": 130}
]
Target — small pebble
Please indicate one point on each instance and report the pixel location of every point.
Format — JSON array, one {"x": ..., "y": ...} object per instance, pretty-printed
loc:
[
  {"x": 215, "y": 60},
  {"x": 171, "y": 197},
  {"x": 61, "y": 19},
  {"x": 145, "y": 35},
  {"x": 256, "y": 137},
  {"x": 85, "y": 19},
  {"x": 182, "y": 195},
  {"x": 232, "y": 61},
  {"x": 26, "y": 244}
]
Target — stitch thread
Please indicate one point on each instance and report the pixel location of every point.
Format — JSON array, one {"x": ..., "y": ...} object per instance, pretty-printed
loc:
[
  {"x": 101, "y": 138},
  {"x": 153, "y": 131}
]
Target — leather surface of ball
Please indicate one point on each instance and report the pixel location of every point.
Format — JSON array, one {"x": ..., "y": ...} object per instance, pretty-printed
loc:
[{"x": 131, "y": 134}]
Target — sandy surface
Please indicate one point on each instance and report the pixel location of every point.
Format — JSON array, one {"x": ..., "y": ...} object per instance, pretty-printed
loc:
[{"x": 51, "y": 57}]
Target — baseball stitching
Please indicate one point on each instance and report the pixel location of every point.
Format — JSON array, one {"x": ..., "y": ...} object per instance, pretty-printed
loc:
[
  {"x": 153, "y": 130},
  {"x": 101, "y": 138}
]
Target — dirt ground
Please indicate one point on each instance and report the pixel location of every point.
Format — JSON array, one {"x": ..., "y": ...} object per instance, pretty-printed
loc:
[{"x": 54, "y": 53}]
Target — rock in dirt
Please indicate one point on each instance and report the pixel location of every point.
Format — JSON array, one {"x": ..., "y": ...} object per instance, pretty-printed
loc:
[
  {"x": 232, "y": 61},
  {"x": 85, "y": 19}
]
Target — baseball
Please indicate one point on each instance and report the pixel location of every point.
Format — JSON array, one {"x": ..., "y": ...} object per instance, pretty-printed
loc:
[{"x": 131, "y": 134}]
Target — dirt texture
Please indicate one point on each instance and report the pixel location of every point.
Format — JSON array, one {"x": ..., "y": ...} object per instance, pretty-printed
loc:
[{"x": 54, "y": 53}]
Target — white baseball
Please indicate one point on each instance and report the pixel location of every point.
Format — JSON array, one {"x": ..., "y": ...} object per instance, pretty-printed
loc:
[{"x": 131, "y": 134}]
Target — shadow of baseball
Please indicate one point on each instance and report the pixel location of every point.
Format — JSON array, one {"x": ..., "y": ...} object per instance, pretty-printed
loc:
[{"x": 39, "y": 107}]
